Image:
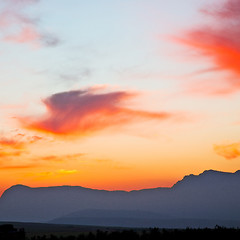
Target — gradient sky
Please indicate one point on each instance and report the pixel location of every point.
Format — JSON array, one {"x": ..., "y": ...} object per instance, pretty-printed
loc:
[{"x": 118, "y": 94}]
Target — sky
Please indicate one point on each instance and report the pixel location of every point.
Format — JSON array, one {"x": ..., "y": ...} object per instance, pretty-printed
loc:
[{"x": 118, "y": 95}]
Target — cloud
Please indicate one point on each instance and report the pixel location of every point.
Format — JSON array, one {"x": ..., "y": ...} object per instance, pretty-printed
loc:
[
  {"x": 49, "y": 40},
  {"x": 75, "y": 75},
  {"x": 15, "y": 145},
  {"x": 25, "y": 35},
  {"x": 11, "y": 149},
  {"x": 18, "y": 141},
  {"x": 17, "y": 27},
  {"x": 228, "y": 151},
  {"x": 83, "y": 112},
  {"x": 218, "y": 41}
]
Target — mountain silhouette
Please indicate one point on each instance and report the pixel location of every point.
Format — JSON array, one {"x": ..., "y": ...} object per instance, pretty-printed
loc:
[{"x": 203, "y": 200}]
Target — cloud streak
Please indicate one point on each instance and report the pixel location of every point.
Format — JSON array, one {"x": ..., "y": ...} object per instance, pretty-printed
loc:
[
  {"x": 218, "y": 41},
  {"x": 16, "y": 167},
  {"x": 83, "y": 112}
]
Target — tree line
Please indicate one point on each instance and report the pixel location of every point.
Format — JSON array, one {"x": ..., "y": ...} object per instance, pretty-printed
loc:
[{"x": 151, "y": 234}]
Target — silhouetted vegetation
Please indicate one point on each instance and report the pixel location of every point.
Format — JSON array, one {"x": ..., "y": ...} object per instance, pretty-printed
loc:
[
  {"x": 151, "y": 234},
  {"x": 8, "y": 232}
]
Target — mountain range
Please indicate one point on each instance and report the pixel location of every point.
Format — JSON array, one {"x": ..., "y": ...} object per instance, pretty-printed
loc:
[{"x": 205, "y": 200}]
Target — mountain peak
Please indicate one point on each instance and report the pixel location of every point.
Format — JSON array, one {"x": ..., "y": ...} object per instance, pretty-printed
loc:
[
  {"x": 19, "y": 186},
  {"x": 211, "y": 171},
  {"x": 208, "y": 175}
]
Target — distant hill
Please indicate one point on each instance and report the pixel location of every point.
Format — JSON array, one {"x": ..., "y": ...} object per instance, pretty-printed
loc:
[
  {"x": 197, "y": 200},
  {"x": 133, "y": 219}
]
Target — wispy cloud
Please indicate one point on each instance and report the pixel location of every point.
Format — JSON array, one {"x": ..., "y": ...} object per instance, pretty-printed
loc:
[
  {"x": 83, "y": 112},
  {"x": 228, "y": 151},
  {"x": 11, "y": 147},
  {"x": 16, "y": 167},
  {"x": 12, "y": 143},
  {"x": 16, "y": 145},
  {"x": 218, "y": 41},
  {"x": 18, "y": 140},
  {"x": 18, "y": 27}
]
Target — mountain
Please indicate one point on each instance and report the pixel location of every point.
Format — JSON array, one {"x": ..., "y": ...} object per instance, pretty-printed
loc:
[{"x": 207, "y": 199}]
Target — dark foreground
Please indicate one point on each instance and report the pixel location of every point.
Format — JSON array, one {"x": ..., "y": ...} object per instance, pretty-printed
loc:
[{"x": 10, "y": 232}]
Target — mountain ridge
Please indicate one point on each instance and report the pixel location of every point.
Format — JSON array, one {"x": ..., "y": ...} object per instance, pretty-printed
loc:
[
  {"x": 206, "y": 172},
  {"x": 209, "y": 195}
]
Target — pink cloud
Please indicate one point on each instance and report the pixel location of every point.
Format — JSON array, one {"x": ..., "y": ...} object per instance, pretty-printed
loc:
[
  {"x": 27, "y": 35},
  {"x": 83, "y": 112},
  {"x": 16, "y": 26}
]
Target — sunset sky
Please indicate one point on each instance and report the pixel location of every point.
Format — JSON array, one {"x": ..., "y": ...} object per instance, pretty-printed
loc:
[{"x": 118, "y": 94}]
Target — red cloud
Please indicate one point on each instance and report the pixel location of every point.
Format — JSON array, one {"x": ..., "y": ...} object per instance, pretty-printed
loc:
[
  {"x": 219, "y": 42},
  {"x": 82, "y": 112}
]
